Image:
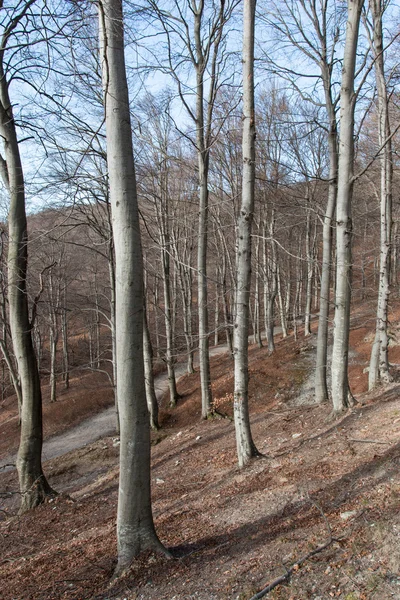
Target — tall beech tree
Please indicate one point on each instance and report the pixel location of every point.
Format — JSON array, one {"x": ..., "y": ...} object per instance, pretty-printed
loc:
[
  {"x": 195, "y": 33},
  {"x": 313, "y": 30},
  {"x": 246, "y": 448},
  {"x": 135, "y": 526},
  {"x": 33, "y": 484},
  {"x": 379, "y": 363},
  {"x": 348, "y": 97}
]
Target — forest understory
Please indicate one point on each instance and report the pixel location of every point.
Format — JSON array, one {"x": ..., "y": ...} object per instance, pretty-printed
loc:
[{"x": 232, "y": 531}]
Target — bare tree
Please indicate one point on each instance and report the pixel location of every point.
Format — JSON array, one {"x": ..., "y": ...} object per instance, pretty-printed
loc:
[
  {"x": 313, "y": 30},
  {"x": 379, "y": 363},
  {"x": 195, "y": 35},
  {"x": 348, "y": 97},
  {"x": 246, "y": 448},
  {"x": 33, "y": 484},
  {"x": 135, "y": 526}
]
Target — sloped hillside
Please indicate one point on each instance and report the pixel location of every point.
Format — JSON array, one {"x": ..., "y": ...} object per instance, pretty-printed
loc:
[{"x": 232, "y": 532}]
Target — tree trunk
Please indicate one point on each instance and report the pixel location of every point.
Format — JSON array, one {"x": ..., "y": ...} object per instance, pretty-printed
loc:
[
  {"x": 151, "y": 397},
  {"x": 64, "y": 335},
  {"x": 257, "y": 320},
  {"x": 111, "y": 271},
  {"x": 270, "y": 284},
  {"x": 340, "y": 354},
  {"x": 33, "y": 484},
  {"x": 168, "y": 312},
  {"x": 13, "y": 374},
  {"x": 282, "y": 314},
  {"x": 245, "y": 446},
  {"x": 321, "y": 385},
  {"x": 379, "y": 363},
  {"x": 53, "y": 337},
  {"x": 202, "y": 293},
  {"x": 135, "y": 527},
  {"x": 309, "y": 259}
]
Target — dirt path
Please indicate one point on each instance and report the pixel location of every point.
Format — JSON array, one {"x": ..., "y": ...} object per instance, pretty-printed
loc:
[{"x": 97, "y": 426}]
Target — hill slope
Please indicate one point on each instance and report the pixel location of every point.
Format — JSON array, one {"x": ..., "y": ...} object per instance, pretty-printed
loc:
[{"x": 232, "y": 531}]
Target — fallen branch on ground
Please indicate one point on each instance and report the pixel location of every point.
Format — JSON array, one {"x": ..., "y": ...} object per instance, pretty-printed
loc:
[
  {"x": 369, "y": 441},
  {"x": 296, "y": 565},
  {"x": 284, "y": 578}
]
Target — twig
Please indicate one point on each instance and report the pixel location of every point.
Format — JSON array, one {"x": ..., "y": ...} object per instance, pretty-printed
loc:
[
  {"x": 291, "y": 569},
  {"x": 369, "y": 441},
  {"x": 298, "y": 563}
]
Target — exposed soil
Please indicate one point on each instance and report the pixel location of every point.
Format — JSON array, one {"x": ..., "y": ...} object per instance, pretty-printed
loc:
[{"x": 232, "y": 531}]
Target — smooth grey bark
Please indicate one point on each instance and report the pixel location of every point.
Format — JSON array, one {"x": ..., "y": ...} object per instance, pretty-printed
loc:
[
  {"x": 111, "y": 273},
  {"x": 163, "y": 222},
  {"x": 216, "y": 305},
  {"x": 321, "y": 385},
  {"x": 182, "y": 249},
  {"x": 4, "y": 342},
  {"x": 379, "y": 362},
  {"x": 203, "y": 156},
  {"x": 270, "y": 281},
  {"x": 341, "y": 331},
  {"x": 282, "y": 312},
  {"x": 33, "y": 484},
  {"x": 185, "y": 279},
  {"x": 135, "y": 526},
  {"x": 64, "y": 336},
  {"x": 97, "y": 351},
  {"x": 257, "y": 308},
  {"x": 246, "y": 448},
  {"x": 156, "y": 323},
  {"x": 226, "y": 293},
  {"x": 54, "y": 301},
  {"x": 310, "y": 272},
  {"x": 151, "y": 397}
]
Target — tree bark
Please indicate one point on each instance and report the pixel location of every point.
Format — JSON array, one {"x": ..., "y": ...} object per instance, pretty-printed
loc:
[
  {"x": 246, "y": 448},
  {"x": 135, "y": 526},
  {"x": 64, "y": 335},
  {"x": 33, "y": 484},
  {"x": 379, "y": 363},
  {"x": 340, "y": 353},
  {"x": 151, "y": 397},
  {"x": 321, "y": 385}
]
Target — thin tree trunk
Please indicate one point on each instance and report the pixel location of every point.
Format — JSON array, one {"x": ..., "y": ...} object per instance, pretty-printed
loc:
[
  {"x": 111, "y": 272},
  {"x": 340, "y": 353},
  {"x": 309, "y": 258},
  {"x": 168, "y": 312},
  {"x": 97, "y": 325},
  {"x": 53, "y": 362},
  {"x": 257, "y": 324},
  {"x": 280, "y": 303},
  {"x": 270, "y": 284},
  {"x": 65, "y": 346},
  {"x": 321, "y": 385},
  {"x": 156, "y": 323},
  {"x": 13, "y": 375},
  {"x": 202, "y": 293},
  {"x": 151, "y": 397},
  {"x": 379, "y": 363},
  {"x": 216, "y": 306},
  {"x": 246, "y": 448},
  {"x": 33, "y": 484}
]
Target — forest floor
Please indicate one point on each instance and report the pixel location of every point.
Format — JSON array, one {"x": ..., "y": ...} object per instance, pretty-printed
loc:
[{"x": 233, "y": 531}]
